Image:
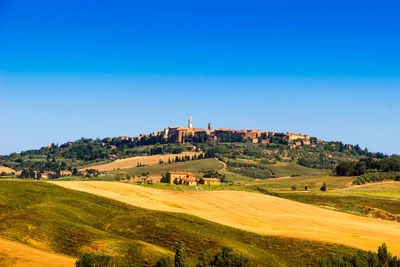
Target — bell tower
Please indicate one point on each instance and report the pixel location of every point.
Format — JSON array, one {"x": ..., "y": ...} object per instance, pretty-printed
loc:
[
  {"x": 209, "y": 127},
  {"x": 190, "y": 122}
]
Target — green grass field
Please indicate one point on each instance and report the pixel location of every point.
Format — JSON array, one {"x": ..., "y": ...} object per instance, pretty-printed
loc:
[
  {"x": 390, "y": 189},
  {"x": 70, "y": 222},
  {"x": 194, "y": 166},
  {"x": 313, "y": 183},
  {"x": 282, "y": 169},
  {"x": 257, "y": 168}
]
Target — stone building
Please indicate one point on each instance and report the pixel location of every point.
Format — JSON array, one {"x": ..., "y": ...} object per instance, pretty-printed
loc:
[{"x": 185, "y": 178}]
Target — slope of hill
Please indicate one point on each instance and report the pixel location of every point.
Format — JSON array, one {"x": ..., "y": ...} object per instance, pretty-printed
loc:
[
  {"x": 17, "y": 254},
  {"x": 257, "y": 213},
  {"x": 194, "y": 166},
  {"x": 70, "y": 222},
  {"x": 133, "y": 161}
]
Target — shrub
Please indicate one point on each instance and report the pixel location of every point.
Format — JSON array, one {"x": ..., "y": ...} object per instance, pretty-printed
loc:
[
  {"x": 376, "y": 177},
  {"x": 226, "y": 257},
  {"x": 164, "y": 262},
  {"x": 98, "y": 260},
  {"x": 323, "y": 187}
]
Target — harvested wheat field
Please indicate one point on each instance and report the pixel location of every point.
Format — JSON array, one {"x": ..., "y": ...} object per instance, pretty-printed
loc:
[
  {"x": 16, "y": 254},
  {"x": 133, "y": 161},
  {"x": 256, "y": 213},
  {"x": 6, "y": 169}
]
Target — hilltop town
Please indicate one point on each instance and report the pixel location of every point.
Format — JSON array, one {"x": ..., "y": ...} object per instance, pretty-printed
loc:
[
  {"x": 186, "y": 134},
  {"x": 75, "y": 157}
]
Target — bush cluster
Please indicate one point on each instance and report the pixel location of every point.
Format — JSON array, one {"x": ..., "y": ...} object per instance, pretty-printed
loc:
[
  {"x": 376, "y": 177},
  {"x": 364, "y": 259}
]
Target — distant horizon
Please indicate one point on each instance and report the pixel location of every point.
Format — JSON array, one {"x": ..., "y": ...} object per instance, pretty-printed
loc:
[
  {"x": 214, "y": 128},
  {"x": 72, "y": 69}
]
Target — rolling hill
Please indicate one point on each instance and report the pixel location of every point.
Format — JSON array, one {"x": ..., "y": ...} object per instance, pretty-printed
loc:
[
  {"x": 133, "y": 161},
  {"x": 256, "y": 213},
  {"x": 69, "y": 222}
]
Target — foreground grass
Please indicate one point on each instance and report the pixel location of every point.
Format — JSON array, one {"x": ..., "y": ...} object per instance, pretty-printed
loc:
[{"x": 55, "y": 219}]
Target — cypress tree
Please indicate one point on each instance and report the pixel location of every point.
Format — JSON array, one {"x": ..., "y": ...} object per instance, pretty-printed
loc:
[{"x": 180, "y": 255}]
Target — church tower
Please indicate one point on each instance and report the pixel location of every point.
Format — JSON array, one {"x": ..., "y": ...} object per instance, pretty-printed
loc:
[
  {"x": 209, "y": 127},
  {"x": 190, "y": 122}
]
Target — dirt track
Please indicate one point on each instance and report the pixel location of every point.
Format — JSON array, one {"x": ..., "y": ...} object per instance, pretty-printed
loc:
[
  {"x": 16, "y": 254},
  {"x": 132, "y": 162},
  {"x": 256, "y": 213}
]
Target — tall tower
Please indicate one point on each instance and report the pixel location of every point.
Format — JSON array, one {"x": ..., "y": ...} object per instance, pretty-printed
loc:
[
  {"x": 209, "y": 127},
  {"x": 190, "y": 122}
]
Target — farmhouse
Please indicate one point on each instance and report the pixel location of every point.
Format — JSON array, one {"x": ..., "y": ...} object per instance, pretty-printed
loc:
[
  {"x": 210, "y": 181},
  {"x": 185, "y": 178}
]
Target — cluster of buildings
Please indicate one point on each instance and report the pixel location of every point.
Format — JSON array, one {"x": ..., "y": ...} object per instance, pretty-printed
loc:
[
  {"x": 188, "y": 178},
  {"x": 178, "y": 178},
  {"x": 256, "y": 136}
]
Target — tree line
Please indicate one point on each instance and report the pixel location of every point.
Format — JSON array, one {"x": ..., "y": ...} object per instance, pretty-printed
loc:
[
  {"x": 364, "y": 165},
  {"x": 382, "y": 258},
  {"x": 225, "y": 257}
]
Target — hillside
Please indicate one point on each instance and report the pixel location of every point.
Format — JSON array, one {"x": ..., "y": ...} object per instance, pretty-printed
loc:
[
  {"x": 256, "y": 213},
  {"x": 88, "y": 152},
  {"x": 195, "y": 166},
  {"x": 17, "y": 254},
  {"x": 69, "y": 222},
  {"x": 134, "y": 161}
]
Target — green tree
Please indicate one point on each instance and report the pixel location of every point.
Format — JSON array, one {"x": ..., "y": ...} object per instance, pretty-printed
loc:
[
  {"x": 383, "y": 255},
  {"x": 226, "y": 257},
  {"x": 164, "y": 262},
  {"x": 323, "y": 187},
  {"x": 93, "y": 260},
  {"x": 204, "y": 260},
  {"x": 180, "y": 255},
  {"x": 32, "y": 174}
]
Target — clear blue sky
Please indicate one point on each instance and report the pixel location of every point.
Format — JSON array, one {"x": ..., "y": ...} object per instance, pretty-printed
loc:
[{"x": 70, "y": 69}]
